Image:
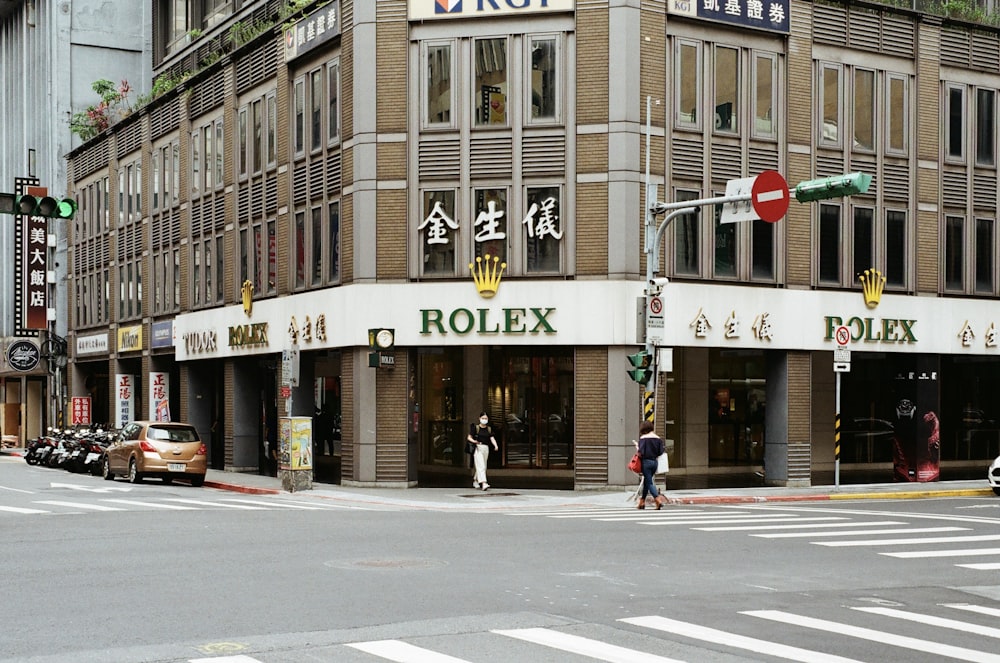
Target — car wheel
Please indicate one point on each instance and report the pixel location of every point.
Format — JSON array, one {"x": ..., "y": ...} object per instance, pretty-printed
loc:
[
  {"x": 996, "y": 490},
  {"x": 133, "y": 472},
  {"x": 106, "y": 469},
  {"x": 197, "y": 481},
  {"x": 168, "y": 480}
]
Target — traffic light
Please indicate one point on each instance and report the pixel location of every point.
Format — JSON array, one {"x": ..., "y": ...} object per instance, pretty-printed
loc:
[
  {"x": 46, "y": 206},
  {"x": 640, "y": 371},
  {"x": 832, "y": 187}
]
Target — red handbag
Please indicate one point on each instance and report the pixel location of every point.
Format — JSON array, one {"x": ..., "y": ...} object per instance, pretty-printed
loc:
[{"x": 636, "y": 463}]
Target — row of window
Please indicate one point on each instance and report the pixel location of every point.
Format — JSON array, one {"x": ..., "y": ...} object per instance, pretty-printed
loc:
[
  {"x": 489, "y": 64},
  {"x": 315, "y": 109}
]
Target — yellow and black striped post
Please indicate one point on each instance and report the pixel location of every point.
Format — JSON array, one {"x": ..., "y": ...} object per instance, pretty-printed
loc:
[
  {"x": 648, "y": 405},
  {"x": 836, "y": 438}
]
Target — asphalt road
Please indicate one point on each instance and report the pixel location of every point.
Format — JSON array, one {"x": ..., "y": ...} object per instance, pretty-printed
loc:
[{"x": 108, "y": 572}]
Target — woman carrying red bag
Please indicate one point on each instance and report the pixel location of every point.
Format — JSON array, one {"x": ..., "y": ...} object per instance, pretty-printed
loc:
[{"x": 649, "y": 446}]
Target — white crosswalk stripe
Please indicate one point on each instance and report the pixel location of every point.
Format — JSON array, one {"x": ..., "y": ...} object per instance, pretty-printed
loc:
[
  {"x": 718, "y": 637},
  {"x": 906, "y": 642},
  {"x": 931, "y": 620},
  {"x": 804, "y": 525},
  {"x": 903, "y": 542},
  {"x": 152, "y": 505},
  {"x": 576, "y": 644},
  {"x": 402, "y": 652},
  {"x": 80, "y": 505},
  {"x": 917, "y": 554},
  {"x": 867, "y": 532}
]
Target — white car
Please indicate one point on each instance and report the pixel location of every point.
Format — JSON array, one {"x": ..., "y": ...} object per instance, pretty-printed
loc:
[{"x": 993, "y": 475}]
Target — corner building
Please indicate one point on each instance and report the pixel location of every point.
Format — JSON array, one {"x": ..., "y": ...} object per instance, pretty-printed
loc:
[{"x": 471, "y": 177}]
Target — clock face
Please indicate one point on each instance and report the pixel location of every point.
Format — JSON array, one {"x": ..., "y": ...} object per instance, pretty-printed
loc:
[{"x": 384, "y": 338}]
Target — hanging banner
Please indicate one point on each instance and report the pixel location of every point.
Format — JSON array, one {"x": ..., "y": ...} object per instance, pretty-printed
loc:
[
  {"x": 159, "y": 396},
  {"x": 124, "y": 399},
  {"x": 35, "y": 269}
]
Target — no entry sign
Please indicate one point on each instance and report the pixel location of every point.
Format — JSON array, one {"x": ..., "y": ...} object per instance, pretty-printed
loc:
[{"x": 769, "y": 196}]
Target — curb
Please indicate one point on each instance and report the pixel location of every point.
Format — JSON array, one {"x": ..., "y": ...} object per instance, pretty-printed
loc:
[{"x": 247, "y": 490}]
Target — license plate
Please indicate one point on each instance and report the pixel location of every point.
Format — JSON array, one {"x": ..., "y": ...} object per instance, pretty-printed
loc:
[{"x": 175, "y": 467}]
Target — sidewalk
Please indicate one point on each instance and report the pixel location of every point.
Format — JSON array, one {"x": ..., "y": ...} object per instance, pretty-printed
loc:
[{"x": 469, "y": 498}]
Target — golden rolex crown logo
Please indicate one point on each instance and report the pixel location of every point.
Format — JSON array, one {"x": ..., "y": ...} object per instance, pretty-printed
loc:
[
  {"x": 247, "y": 294},
  {"x": 872, "y": 284},
  {"x": 487, "y": 275}
]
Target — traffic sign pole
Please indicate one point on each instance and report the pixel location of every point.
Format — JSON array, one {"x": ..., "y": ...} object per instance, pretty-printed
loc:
[{"x": 842, "y": 358}]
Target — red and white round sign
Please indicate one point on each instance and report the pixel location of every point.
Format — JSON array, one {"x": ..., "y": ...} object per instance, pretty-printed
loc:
[
  {"x": 769, "y": 195},
  {"x": 843, "y": 335},
  {"x": 655, "y": 305}
]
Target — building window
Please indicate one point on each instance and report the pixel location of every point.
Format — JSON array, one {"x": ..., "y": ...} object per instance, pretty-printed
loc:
[
  {"x": 864, "y": 240},
  {"x": 333, "y": 101},
  {"x": 895, "y": 249},
  {"x": 985, "y": 122},
  {"x": 762, "y": 250},
  {"x": 333, "y": 243},
  {"x": 897, "y": 115},
  {"x": 257, "y": 134},
  {"x": 687, "y": 238},
  {"x": 727, "y": 89},
  {"x": 725, "y": 246},
  {"x": 984, "y": 251},
  {"x": 489, "y": 93},
  {"x": 864, "y": 110},
  {"x": 438, "y": 92},
  {"x": 490, "y": 225},
  {"x": 317, "y": 99},
  {"x": 439, "y": 231},
  {"x": 544, "y": 80},
  {"x": 829, "y": 102},
  {"x": 299, "y": 117},
  {"x": 955, "y": 112},
  {"x": 954, "y": 254},
  {"x": 765, "y": 95},
  {"x": 195, "y": 163},
  {"x": 241, "y": 149},
  {"x": 687, "y": 79},
  {"x": 541, "y": 230},
  {"x": 829, "y": 242},
  {"x": 272, "y": 125}
]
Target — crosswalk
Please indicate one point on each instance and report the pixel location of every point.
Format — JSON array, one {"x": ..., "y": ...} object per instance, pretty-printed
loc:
[
  {"x": 824, "y": 634},
  {"x": 165, "y": 503},
  {"x": 900, "y": 536}
]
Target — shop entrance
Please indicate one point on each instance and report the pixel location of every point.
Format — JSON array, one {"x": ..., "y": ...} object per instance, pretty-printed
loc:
[{"x": 533, "y": 389}]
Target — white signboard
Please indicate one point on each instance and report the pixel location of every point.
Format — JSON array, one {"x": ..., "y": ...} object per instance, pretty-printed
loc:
[
  {"x": 159, "y": 396},
  {"x": 426, "y": 10},
  {"x": 124, "y": 399}
]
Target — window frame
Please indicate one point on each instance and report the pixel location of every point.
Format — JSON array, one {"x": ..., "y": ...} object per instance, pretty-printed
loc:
[
  {"x": 963, "y": 118},
  {"x": 838, "y": 106},
  {"x": 478, "y": 122},
  {"x": 678, "y": 75},
  {"x": 894, "y": 116},
  {"x": 756, "y": 58},
  {"x": 736, "y": 112},
  {"x": 990, "y": 126},
  {"x": 426, "y": 123},
  {"x": 870, "y": 110},
  {"x": 528, "y": 86}
]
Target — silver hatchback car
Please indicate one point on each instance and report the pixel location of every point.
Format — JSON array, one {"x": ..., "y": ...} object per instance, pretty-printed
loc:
[{"x": 163, "y": 449}]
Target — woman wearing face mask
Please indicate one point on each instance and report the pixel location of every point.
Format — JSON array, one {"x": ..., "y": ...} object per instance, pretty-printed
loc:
[{"x": 482, "y": 436}]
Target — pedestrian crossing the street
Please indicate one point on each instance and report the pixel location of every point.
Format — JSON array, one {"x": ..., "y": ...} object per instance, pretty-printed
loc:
[
  {"x": 831, "y": 634},
  {"x": 901, "y": 536},
  {"x": 122, "y": 504}
]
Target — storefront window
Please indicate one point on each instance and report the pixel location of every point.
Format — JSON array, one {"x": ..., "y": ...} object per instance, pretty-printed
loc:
[
  {"x": 532, "y": 393},
  {"x": 439, "y": 402},
  {"x": 737, "y": 399}
]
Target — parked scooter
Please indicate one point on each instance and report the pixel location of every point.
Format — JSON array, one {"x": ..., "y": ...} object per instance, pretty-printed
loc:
[{"x": 40, "y": 448}]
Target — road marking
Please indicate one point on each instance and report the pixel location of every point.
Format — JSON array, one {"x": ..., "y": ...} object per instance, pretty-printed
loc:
[
  {"x": 900, "y": 542},
  {"x": 796, "y": 526},
  {"x": 914, "y": 554},
  {"x": 982, "y": 610},
  {"x": 575, "y": 644},
  {"x": 239, "y": 658},
  {"x": 92, "y": 489},
  {"x": 930, "y": 620},
  {"x": 587, "y": 513},
  {"x": 864, "y": 532},
  {"x": 990, "y": 566},
  {"x": 214, "y": 504},
  {"x": 155, "y": 505},
  {"x": 80, "y": 505},
  {"x": 402, "y": 652},
  {"x": 17, "y": 490},
  {"x": 725, "y": 638},
  {"x": 761, "y": 519},
  {"x": 882, "y": 637},
  {"x": 17, "y": 509},
  {"x": 276, "y": 504}
]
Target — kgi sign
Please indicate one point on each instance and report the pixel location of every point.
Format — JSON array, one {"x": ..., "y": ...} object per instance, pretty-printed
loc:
[{"x": 23, "y": 355}]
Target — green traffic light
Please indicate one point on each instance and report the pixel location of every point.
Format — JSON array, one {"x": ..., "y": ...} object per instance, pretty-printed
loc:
[
  {"x": 66, "y": 209},
  {"x": 46, "y": 206},
  {"x": 832, "y": 187},
  {"x": 640, "y": 375}
]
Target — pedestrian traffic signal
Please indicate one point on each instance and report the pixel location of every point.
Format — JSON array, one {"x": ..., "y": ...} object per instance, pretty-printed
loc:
[
  {"x": 832, "y": 187},
  {"x": 46, "y": 206},
  {"x": 640, "y": 371}
]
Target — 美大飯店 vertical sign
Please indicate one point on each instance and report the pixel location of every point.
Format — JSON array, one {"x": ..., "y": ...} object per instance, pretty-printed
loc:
[
  {"x": 34, "y": 270},
  {"x": 425, "y": 10},
  {"x": 771, "y": 15}
]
